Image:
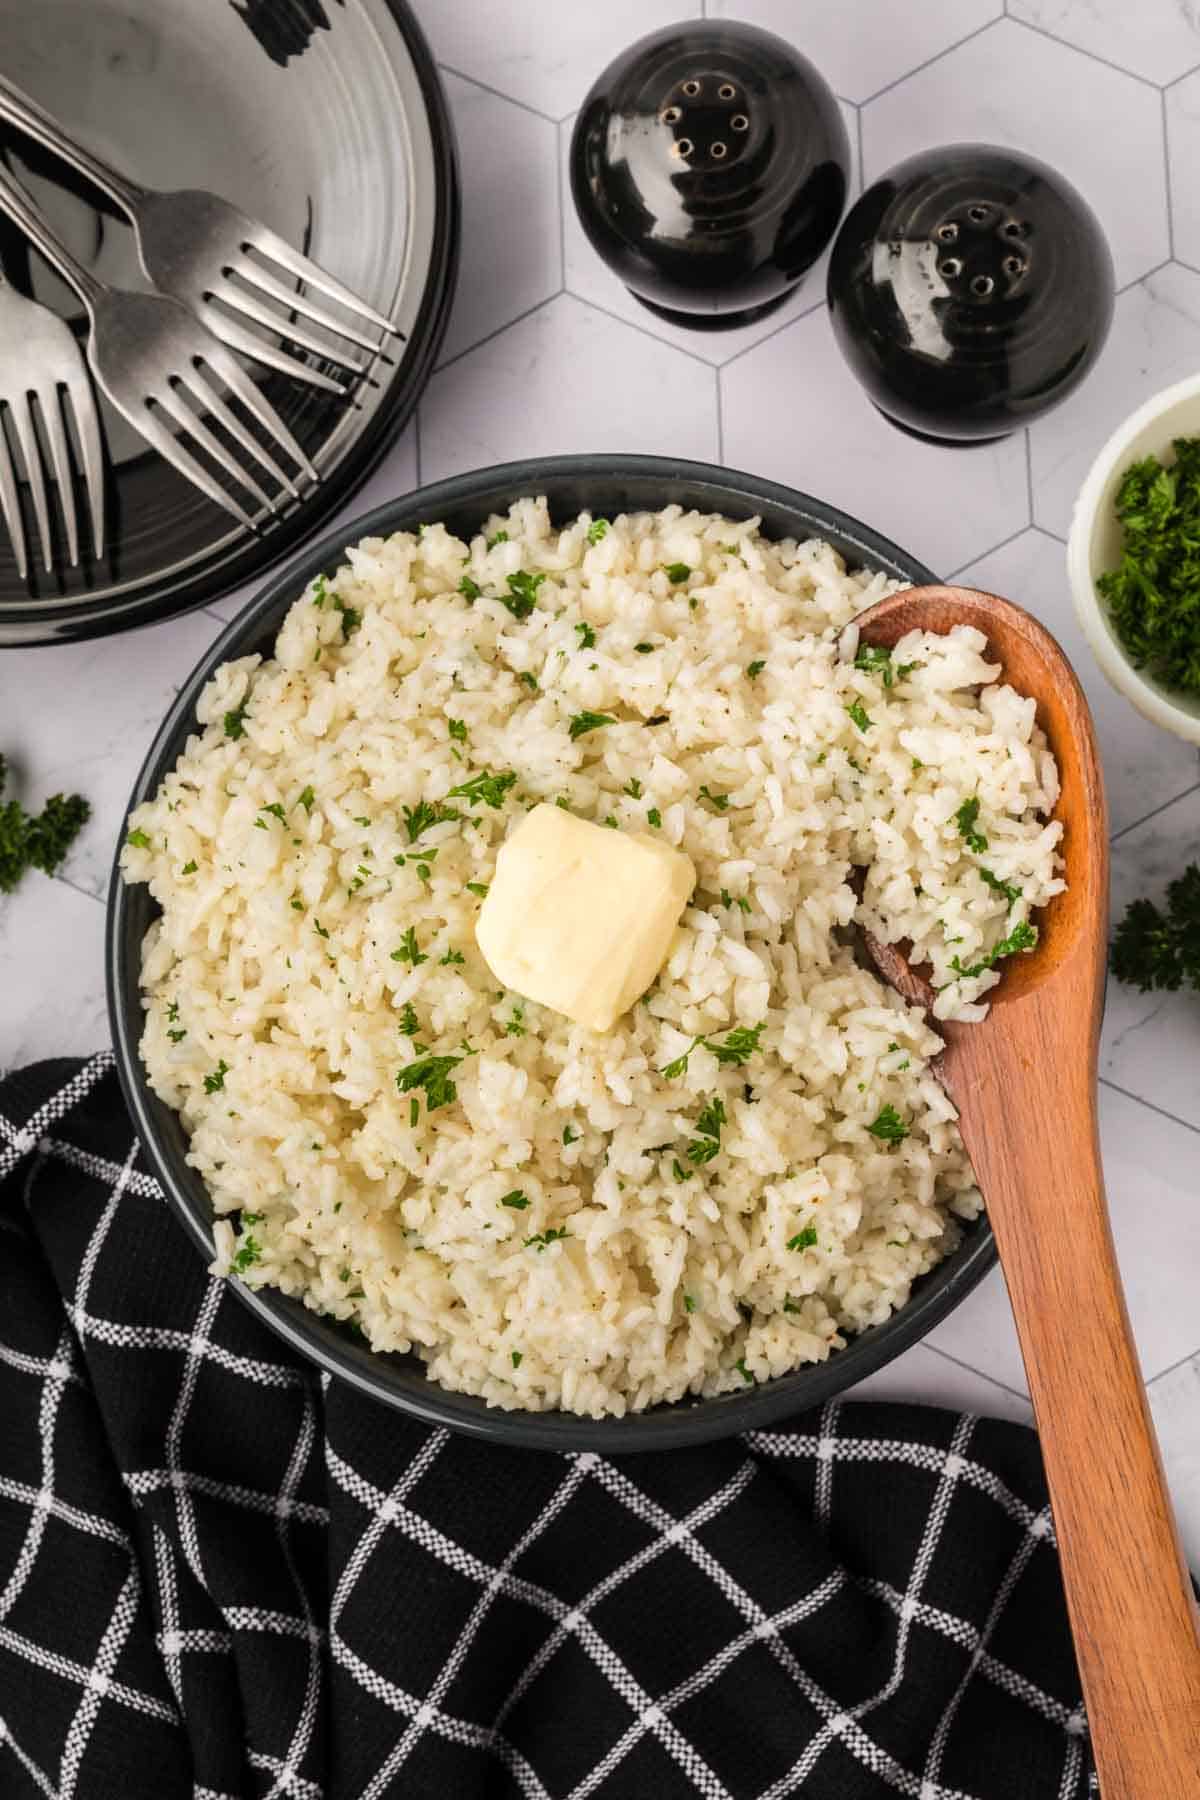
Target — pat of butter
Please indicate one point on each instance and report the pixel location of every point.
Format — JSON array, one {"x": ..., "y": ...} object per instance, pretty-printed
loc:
[{"x": 580, "y": 917}]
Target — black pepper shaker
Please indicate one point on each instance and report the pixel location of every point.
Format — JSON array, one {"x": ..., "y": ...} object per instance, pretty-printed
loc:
[
  {"x": 709, "y": 168},
  {"x": 970, "y": 289}
]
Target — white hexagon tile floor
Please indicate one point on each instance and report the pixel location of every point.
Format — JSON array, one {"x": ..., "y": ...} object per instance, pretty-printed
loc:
[{"x": 546, "y": 352}]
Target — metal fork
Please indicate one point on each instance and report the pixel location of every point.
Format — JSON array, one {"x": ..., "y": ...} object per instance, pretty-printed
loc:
[
  {"x": 192, "y": 244},
  {"x": 151, "y": 357},
  {"x": 38, "y": 357}
]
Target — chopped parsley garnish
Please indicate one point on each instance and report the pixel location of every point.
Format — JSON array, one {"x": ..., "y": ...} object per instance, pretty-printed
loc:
[
  {"x": 516, "y": 1200},
  {"x": 889, "y": 1127},
  {"x": 596, "y": 530},
  {"x": 679, "y": 1172},
  {"x": 676, "y": 572},
  {"x": 1022, "y": 937},
  {"x": 719, "y": 801},
  {"x": 633, "y": 788},
  {"x": 487, "y": 787},
  {"x": 755, "y": 669},
  {"x": 542, "y": 1238},
  {"x": 457, "y": 729},
  {"x": 451, "y": 957},
  {"x": 643, "y": 649},
  {"x": 470, "y": 590},
  {"x": 319, "y": 929},
  {"x": 689, "y": 1303},
  {"x": 215, "y": 1083},
  {"x": 743, "y": 1371},
  {"x": 296, "y": 904},
  {"x": 736, "y": 1050},
  {"x": 189, "y": 868},
  {"x": 1159, "y": 947},
  {"x": 705, "y": 1146},
  {"x": 860, "y": 715},
  {"x": 414, "y": 1111},
  {"x": 275, "y": 809},
  {"x": 611, "y": 822},
  {"x": 584, "y": 722},
  {"x": 516, "y": 1359},
  {"x": 587, "y": 636},
  {"x": 177, "y": 1036},
  {"x": 235, "y": 721},
  {"x": 1153, "y": 594},
  {"x": 138, "y": 840},
  {"x": 409, "y": 1023},
  {"x": 965, "y": 819},
  {"x": 804, "y": 1240},
  {"x": 433, "y": 1074},
  {"x": 570, "y": 1136},
  {"x": 306, "y": 799},
  {"x": 1011, "y": 894},
  {"x": 172, "y": 1011},
  {"x": 478, "y": 887},
  {"x": 653, "y": 817},
  {"x": 499, "y": 537},
  {"x": 515, "y": 1026},
  {"x": 873, "y": 659},
  {"x": 423, "y": 817},
  {"x": 530, "y": 681},
  {"x": 249, "y": 1251},
  {"x": 408, "y": 951},
  {"x": 522, "y": 593}
]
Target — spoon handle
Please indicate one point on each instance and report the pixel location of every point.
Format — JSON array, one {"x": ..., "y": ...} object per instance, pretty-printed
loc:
[{"x": 1034, "y": 1145}]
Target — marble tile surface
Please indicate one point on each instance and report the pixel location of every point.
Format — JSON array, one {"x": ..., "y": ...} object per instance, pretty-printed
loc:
[{"x": 546, "y": 352}]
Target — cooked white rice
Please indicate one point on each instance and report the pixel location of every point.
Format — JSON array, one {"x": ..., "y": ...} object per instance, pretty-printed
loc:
[{"x": 280, "y": 983}]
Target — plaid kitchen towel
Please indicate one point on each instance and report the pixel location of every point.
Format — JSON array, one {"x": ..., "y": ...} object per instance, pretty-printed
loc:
[{"x": 221, "y": 1577}]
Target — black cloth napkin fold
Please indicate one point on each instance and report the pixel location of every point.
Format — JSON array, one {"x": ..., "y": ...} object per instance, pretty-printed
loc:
[{"x": 222, "y": 1577}]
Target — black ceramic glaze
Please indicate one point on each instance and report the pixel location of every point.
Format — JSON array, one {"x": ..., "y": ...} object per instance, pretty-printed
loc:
[
  {"x": 249, "y": 100},
  {"x": 607, "y": 485},
  {"x": 970, "y": 290},
  {"x": 709, "y": 168}
]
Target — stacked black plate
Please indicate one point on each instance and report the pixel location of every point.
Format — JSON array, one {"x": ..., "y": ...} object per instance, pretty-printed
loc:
[{"x": 322, "y": 118}]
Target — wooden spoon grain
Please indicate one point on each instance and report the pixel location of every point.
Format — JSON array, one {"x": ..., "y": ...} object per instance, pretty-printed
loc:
[{"x": 1024, "y": 1082}]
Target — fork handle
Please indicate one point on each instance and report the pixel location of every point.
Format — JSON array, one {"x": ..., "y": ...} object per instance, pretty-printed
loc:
[
  {"x": 21, "y": 210},
  {"x": 17, "y": 108}
]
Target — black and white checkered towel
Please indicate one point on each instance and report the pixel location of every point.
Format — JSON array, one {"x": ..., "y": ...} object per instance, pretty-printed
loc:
[{"x": 222, "y": 1578}]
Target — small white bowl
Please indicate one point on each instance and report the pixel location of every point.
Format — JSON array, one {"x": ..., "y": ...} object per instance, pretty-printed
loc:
[{"x": 1094, "y": 546}]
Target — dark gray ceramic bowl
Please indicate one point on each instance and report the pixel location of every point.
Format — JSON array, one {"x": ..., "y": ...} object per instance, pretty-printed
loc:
[{"x": 606, "y": 484}]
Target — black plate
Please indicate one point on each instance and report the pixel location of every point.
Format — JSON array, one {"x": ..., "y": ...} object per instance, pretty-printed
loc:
[
  {"x": 324, "y": 119},
  {"x": 608, "y": 485}
]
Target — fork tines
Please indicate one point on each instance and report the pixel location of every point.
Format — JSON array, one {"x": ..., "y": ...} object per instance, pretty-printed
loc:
[{"x": 52, "y": 440}]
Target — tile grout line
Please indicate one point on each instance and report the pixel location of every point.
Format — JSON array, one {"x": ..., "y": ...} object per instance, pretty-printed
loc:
[
  {"x": 645, "y": 331},
  {"x": 100, "y": 899},
  {"x": 562, "y": 207},
  {"x": 485, "y": 88},
  {"x": 1046, "y": 532},
  {"x": 1182, "y": 1363},
  {"x": 991, "y": 551},
  {"x": 1140, "y": 1100},
  {"x": 720, "y": 420},
  {"x": 971, "y": 1370},
  {"x": 470, "y": 349},
  {"x": 1145, "y": 820},
  {"x": 1064, "y": 44},
  {"x": 1145, "y": 275},
  {"x": 804, "y": 313},
  {"x": 1166, "y": 140},
  {"x": 920, "y": 68}
]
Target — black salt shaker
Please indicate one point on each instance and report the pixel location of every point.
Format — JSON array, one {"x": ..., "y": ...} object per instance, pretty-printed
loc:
[
  {"x": 709, "y": 168},
  {"x": 970, "y": 290}
]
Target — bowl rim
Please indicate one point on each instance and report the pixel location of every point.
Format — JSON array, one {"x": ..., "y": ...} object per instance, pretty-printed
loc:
[
  {"x": 34, "y": 624},
  {"x": 1148, "y": 696},
  {"x": 401, "y": 1381}
]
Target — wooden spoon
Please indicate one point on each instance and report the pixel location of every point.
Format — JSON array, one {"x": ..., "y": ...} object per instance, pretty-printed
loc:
[{"x": 1024, "y": 1082}]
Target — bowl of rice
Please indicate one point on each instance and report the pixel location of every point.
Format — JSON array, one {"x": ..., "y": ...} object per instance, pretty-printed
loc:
[{"x": 750, "y": 1192}]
